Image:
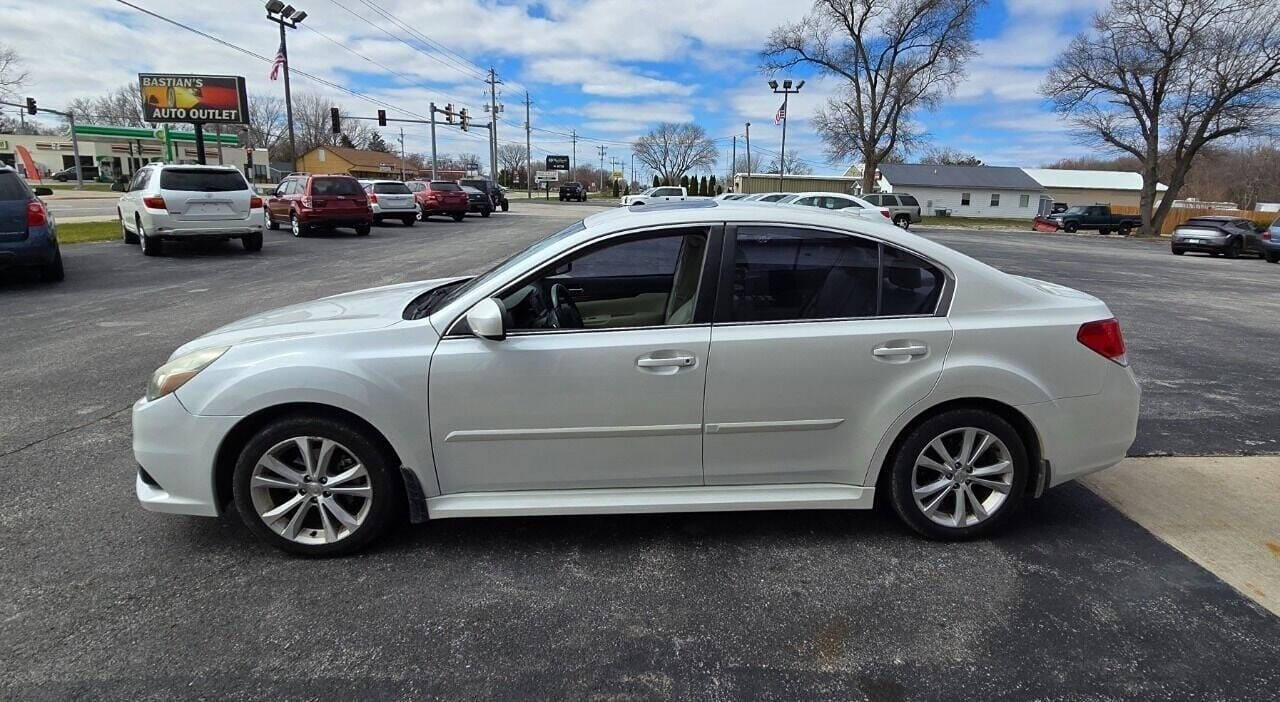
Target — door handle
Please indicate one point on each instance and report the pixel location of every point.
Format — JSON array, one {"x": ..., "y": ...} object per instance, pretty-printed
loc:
[
  {"x": 674, "y": 361},
  {"x": 910, "y": 350}
]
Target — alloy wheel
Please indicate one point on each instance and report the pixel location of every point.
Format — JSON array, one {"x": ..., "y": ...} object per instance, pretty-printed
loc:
[
  {"x": 311, "y": 490},
  {"x": 962, "y": 477}
]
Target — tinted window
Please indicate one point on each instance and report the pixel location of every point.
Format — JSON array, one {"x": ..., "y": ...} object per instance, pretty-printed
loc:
[
  {"x": 889, "y": 200},
  {"x": 782, "y": 274},
  {"x": 642, "y": 257},
  {"x": 908, "y": 201},
  {"x": 873, "y": 198},
  {"x": 12, "y": 187},
  {"x": 336, "y": 186},
  {"x": 446, "y": 187},
  {"x": 773, "y": 198},
  {"x": 910, "y": 285},
  {"x": 391, "y": 188},
  {"x": 806, "y": 201},
  {"x": 201, "y": 181}
]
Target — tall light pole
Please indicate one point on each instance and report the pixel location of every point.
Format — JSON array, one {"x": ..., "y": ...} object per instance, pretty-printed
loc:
[
  {"x": 786, "y": 90},
  {"x": 286, "y": 16},
  {"x": 744, "y": 185}
]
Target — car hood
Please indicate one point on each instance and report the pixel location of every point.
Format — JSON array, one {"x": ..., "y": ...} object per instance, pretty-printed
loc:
[{"x": 372, "y": 308}]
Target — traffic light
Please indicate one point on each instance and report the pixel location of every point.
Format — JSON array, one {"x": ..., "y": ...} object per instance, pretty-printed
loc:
[
  {"x": 463, "y": 115},
  {"x": 335, "y": 122},
  {"x": 31, "y": 106},
  {"x": 448, "y": 113},
  {"x": 382, "y": 118}
]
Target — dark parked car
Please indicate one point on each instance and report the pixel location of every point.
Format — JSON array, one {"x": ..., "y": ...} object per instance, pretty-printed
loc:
[
  {"x": 440, "y": 197},
  {"x": 1271, "y": 242},
  {"x": 28, "y": 234},
  {"x": 1219, "y": 236},
  {"x": 1086, "y": 217},
  {"x": 307, "y": 202},
  {"x": 497, "y": 194},
  {"x": 477, "y": 201},
  {"x": 66, "y": 174},
  {"x": 573, "y": 190}
]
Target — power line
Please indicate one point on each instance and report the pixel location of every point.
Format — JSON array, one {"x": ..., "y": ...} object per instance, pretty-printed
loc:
[
  {"x": 458, "y": 59},
  {"x": 383, "y": 66},
  {"x": 402, "y": 40}
]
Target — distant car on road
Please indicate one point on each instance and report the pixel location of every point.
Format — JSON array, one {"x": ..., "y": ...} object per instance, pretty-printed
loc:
[
  {"x": 28, "y": 233},
  {"x": 573, "y": 190},
  {"x": 839, "y": 202},
  {"x": 704, "y": 356},
  {"x": 497, "y": 194},
  {"x": 1219, "y": 236},
  {"x": 665, "y": 193},
  {"x": 904, "y": 209},
  {"x": 477, "y": 201},
  {"x": 1091, "y": 217},
  {"x": 440, "y": 197},
  {"x": 66, "y": 174},
  {"x": 171, "y": 202},
  {"x": 307, "y": 202},
  {"x": 392, "y": 199}
]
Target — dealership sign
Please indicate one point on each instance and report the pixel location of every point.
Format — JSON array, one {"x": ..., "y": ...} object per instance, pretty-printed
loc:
[
  {"x": 557, "y": 163},
  {"x": 170, "y": 97}
]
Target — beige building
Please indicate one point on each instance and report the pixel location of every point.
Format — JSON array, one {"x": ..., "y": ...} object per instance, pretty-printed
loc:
[
  {"x": 356, "y": 162},
  {"x": 1075, "y": 187},
  {"x": 751, "y": 183}
]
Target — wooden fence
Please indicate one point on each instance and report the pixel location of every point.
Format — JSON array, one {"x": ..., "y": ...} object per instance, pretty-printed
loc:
[{"x": 1178, "y": 215}]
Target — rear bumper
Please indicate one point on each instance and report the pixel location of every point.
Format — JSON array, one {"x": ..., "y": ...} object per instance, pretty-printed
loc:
[
  {"x": 461, "y": 207},
  {"x": 173, "y": 228},
  {"x": 1082, "y": 435},
  {"x": 344, "y": 220},
  {"x": 176, "y": 449},
  {"x": 1208, "y": 247},
  {"x": 38, "y": 249}
]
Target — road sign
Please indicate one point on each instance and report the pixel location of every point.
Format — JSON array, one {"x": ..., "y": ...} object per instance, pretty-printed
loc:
[
  {"x": 617, "y": 175},
  {"x": 546, "y": 177},
  {"x": 168, "y": 97},
  {"x": 557, "y": 163}
]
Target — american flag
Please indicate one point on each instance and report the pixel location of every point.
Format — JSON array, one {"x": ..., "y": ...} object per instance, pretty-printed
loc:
[
  {"x": 782, "y": 114},
  {"x": 278, "y": 62}
]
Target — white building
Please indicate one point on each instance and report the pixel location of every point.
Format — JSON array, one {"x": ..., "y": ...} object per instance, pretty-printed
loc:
[{"x": 965, "y": 191}]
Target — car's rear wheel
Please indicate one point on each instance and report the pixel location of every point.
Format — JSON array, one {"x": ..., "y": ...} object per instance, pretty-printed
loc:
[
  {"x": 959, "y": 475},
  {"x": 410, "y": 221},
  {"x": 272, "y": 224},
  {"x": 1234, "y": 249},
  {"x": 485, "y": 213},
  {"x": 1124, "y": 230},
  {"x": 506, "y": 206},
  {"x": 362, "y": 229},
  {"x": 252, "y": 242},
  {"x": 151, "y": 246},
  {"x": 1179, "y": 252},
  {"x": 296, "y": 225},
  {"x": 457, "y": 216},
  {"x": 126, "y": 236},
  {"x": 53, "y": 272},
  {"x": 315, "y": 486},
  {"x": 903, "y": 221},
  {"x": 1273, "y": 258}
]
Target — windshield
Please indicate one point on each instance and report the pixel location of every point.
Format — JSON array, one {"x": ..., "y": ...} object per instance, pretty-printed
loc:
[
  {"x": 506, "y": 265},
  {"x": 12, "y": 187},
  {"x": 199, "y": 180},
  {"x": 1074, "y": 210}
]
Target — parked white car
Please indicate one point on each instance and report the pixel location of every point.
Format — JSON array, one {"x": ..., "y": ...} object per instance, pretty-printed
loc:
[
  {"x": 840, "y": 202},
  {"x": 392, "y": 199},
  {"x": 715, "y": 356},
  {"x": 766, "y": 197},
  {"x": 176, "y": 202},
  {"x": 666, "y": 193}
]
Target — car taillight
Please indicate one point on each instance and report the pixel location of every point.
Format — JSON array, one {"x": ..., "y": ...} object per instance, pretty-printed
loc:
[
  {"x": 1104, "y": 338},
  {"x": 307, "y": 201},
  {"x": 1266, "y": 236},
  {"x": 255, "y": 203},
  {"x": 886, "y": 214},
  {"x": 36, "y": 214},
  {"x": 373, "y": 198},
  {"x": 155, "y": 202}
]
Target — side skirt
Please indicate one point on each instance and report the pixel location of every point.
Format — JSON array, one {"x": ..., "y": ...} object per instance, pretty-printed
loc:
[{"x": 710, "y": 498}]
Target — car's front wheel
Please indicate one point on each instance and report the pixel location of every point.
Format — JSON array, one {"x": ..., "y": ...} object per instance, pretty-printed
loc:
[
  {"x": 959, "y": 475},
  {"x": 1234, "y": 249},
  {"x": 315, "y": 486}
]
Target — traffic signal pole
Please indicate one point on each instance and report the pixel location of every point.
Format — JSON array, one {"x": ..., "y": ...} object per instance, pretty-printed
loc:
[{"x": 31, "y": 109}]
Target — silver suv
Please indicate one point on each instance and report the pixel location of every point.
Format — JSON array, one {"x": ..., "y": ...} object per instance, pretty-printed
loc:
[
  {"x": 904, "y": 209},
  {"x": 175, "y": 202}
]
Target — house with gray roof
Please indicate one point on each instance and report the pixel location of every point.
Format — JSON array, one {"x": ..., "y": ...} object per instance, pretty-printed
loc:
[{"x": 965, "y": 191}]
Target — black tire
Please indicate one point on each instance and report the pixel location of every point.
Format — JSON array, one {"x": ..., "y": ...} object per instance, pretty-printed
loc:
[
  {"x": 1124, "y": 230},
  {"x": 902, "y": 465},
  {"x": 296, "y": 225},
  {"x": 1273, "y": 257},
  {"x": 53, "y": 272},
  {"x": 1104, "y": 231},
  {"x": 457, "y": 216},
  {"x": 272, "y": 224},
  {"x": 1234, "y": 249},
  {"x": 252, "y": 242},
  {"x": 903, "y": 221},
  {"x": 506, "y": 207},
  {"x": 1070, "y": 227},
  {"x": 125, "y": 235},
  {"x": 363, "y": 229},
  {"x": 562, "y": 198},
  {"x": 409, "y": 221},
  {"x": 486, "y": 213},
  {"x": 1179, "y": 252},
  {"x": 151, "y": 246},
  {"x": 387, "y": 498}
]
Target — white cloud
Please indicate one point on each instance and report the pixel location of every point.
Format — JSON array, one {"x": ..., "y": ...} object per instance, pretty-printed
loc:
[{"x": 596, "y": 78}]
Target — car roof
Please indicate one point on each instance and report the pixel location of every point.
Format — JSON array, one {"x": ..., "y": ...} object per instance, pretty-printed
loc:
[{"x": 192, "y": 166}]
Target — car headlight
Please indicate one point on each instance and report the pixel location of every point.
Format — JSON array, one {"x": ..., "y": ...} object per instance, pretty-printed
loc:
[{"x": 177, "y": 372}]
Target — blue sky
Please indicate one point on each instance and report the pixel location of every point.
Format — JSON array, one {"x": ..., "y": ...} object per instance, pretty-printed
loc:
[{"x": 609, "y": 69}]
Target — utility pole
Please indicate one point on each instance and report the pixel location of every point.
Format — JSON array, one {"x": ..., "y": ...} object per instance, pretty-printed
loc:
[
  {"x": 402, "y": 153},
  {"x": 603, "y": 149},
  {"x": 748, "y": 153},
  {"x": 528, "y": 151},
  {"x": 633, "y": 168},
  {"x": 574, "y": 172},
  {"x": 433, "y": 142},
  {"x": 786, "y": 91},
  {"x": 733, "y": 165},
  {"x": 493, "y": 128}
]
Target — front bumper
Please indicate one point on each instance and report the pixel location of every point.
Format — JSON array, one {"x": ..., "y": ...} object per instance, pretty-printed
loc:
[
  {"x": 1082, "y": 435},
  {"x": 177, "y": 450}
]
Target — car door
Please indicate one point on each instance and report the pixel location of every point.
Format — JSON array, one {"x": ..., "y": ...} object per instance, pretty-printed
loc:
[
  {"x": 821, "y": 340},
  {"x": 130, "y": 201},
  {"x": 559, "y": 405}
]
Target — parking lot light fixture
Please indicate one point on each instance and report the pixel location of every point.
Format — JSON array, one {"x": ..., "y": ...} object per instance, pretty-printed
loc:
[
  {"x": 288, "y": 17},
  {"x": 786, "y": 90}
]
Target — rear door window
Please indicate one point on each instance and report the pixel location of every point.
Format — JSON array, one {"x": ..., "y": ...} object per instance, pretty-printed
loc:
[
  {"x": 12, "y": 187},
  {"x": 335, "y": 186},
  {"x": 908, "y": 201},
  {"x": 794, "y": 274},
  {"x": 201, "y": 181},
  {"x": 909, "y": 284}
]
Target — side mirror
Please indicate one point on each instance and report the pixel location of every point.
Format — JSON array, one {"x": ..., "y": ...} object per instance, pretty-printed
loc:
[
  {"x": 43, "y": 192},
  {"x": 119, "y": 186},
  {"x": 485, "y": 319}
]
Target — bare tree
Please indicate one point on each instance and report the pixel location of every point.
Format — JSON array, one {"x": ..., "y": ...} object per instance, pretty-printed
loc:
[
  {"x": 895, "y": 58},
  {"x": 674, "y": 149},
  {"x": 794, "y": 166},
  {"x": 947, "y": 156},
  {"x": 1161, "y": 79},
  {"x": 267, "y": 125},
  {"x": 313, "y": 128},
  {"x": 121, "y": 107},
  {"x": 512, "y": 157},
  {"x": 12, "y": 74},
  {"x": 743, "y": 166}
]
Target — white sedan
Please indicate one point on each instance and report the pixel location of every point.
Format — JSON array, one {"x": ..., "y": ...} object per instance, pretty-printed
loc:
[
  {"x": 696, "y": 356},
  {"x": 839, "y": 202}
]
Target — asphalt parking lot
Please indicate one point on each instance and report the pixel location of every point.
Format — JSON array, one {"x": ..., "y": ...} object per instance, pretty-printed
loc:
[{"x": 1075, "y": 600}]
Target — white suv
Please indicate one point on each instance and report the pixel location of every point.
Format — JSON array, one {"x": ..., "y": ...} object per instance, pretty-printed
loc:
[
  {"x": 172, "y": 202},
  {"x": 392, "y": 199}
]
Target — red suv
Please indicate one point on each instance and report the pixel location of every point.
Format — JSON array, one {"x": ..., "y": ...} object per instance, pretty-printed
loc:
[
  {"x": 309, "y": 201},
  {"x": 440, "y": 197}
]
